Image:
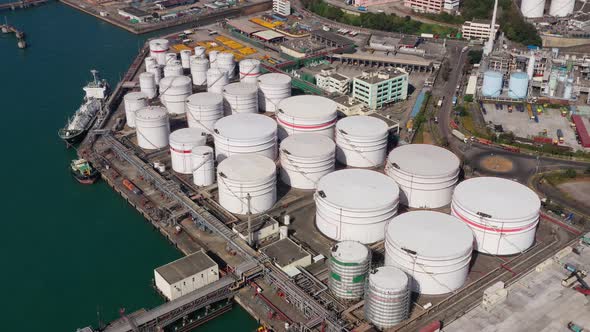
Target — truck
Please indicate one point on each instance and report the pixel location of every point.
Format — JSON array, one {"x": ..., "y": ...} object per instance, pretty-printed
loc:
[
  {"x": 440, "y": 102},
  {"x": 362, "y": 8},
  {"x": 484, "y": 141},
  {"x": 427, "y": 35},
  {"x": 585, "y": 239},
  {"x": 510, "y": 148},
  {"x": 459, "y": 135},
  {"x": 131, "y": 187},
  {"x": 574, "y": 328},
  {"x": 560, "y": 136},
  {"x": 454, "y": 100}
]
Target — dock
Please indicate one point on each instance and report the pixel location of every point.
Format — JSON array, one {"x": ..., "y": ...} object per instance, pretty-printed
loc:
[
  {"x": 20, "y": 35},
  {"x": 21, "y": 4}
]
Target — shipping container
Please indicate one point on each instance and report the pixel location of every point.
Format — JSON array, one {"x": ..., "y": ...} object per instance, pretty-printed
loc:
[
  {"x": 510, "y": 148},
  {"x": 560, "y": 136},
  {"x": 484, "y": 141},
  {"x": 459, "y": 135},
  {"x": 131, "y": 187}
]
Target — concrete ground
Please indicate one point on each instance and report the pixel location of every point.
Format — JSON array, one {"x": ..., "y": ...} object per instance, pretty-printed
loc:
[
  {"x": 538, "y": 302},
  {"x": 521, "y": 125},
  {"x": 578, "y": 190}
]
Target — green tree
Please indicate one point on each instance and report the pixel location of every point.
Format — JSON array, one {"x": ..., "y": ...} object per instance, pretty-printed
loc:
[{"x": 570, "y": 173}]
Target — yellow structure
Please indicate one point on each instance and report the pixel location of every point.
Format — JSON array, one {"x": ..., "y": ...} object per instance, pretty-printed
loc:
[
  {"x": 268, "y": 25},
  {"x": 225, "y": 44}
]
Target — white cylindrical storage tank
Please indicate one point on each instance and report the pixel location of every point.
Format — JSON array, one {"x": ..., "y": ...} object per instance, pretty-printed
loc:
[
  {"x": 158, "y": 49},
  {"x": 433, "y": 248},
  {"x": 174, "y": 91},
  {"x": 216, "y": 80},
  {"x": 503, "y": 214},
  {"x": 200, "y": 52},
  {"x": 245, "y": 133},
  {"x": 150, "y": 61},
  {"x": 147, "y": 84},
  {"x": 305, "y": 114},
  {"x": 387, "y": 298},
  {"x": 240, "y": 98},
  {"x": 562, "y": 8},
  {"x": 133, "y": 102},
  {"x": 426, "y": 174},
  {"x": 170, "y": 58},
  {"x": 185, "y": 60},
  {"x": 349, "y": 266},
  {"x": 361, "y": 141},
  {"x": 247, "y": 180},
  {"x": 273, "y": 87},
  {"x": 249, "y": 71},
  {"x": 213, "y": 58},
  {"x": 355, "y": 204},
  {"x": 518, "y": 85},
  {"x": 226, "y": 62},
  {"x": 182, "y": 142},
  {"x": 305, "y": 159},
  {"x": 153, "y": 127},
  {"x": 530, "y": 69},
  {"x": 492, "y": 84},
  {"x": 173, "y": 69},
  {"x": 203, "y": 165},
  {"x": 532, "y": 8},
  {"x": 157, "y": 71},
  {"x": 203, "y": 109},
  {"x": 199, "y": 67}
]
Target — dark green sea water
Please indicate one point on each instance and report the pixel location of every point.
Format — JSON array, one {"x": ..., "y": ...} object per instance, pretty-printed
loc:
[{"x": 67, "y": 249}]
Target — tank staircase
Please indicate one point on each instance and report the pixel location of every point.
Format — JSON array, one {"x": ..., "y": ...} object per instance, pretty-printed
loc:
[{"x": 170, "y": 312}]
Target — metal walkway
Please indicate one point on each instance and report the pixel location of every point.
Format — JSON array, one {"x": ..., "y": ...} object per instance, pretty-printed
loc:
[{"x": 170, "y": 312}]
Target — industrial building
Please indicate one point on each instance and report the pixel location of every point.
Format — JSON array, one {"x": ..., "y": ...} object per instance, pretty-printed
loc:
[
  {"x": 380, "y": 87},
  {"x": 185, "y": 275},
  {"x": 333, "y": 82},
  {"x": 135, "y": 14},
  {"x": 281, "y": 7},
  {"x": 478, "y": 29},
  {"x": 287, "y": 255}
]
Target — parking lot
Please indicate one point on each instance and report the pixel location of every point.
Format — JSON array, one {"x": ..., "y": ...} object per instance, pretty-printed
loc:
[{"x": 521, "y": 125}]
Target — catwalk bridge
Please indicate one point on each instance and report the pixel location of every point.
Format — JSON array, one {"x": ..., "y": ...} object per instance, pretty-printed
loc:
[{"x": 21, "y": 4}]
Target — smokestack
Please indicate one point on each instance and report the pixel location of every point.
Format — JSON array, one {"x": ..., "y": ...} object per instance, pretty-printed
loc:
[{"x": 490, "y": 44}]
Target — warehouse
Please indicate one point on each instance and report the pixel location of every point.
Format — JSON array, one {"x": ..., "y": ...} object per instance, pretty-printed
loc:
[
  {"x": 185, "y": 275},
  {"x": 135, "y": 14}
]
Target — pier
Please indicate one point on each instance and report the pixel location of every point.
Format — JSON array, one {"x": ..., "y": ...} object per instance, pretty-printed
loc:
[
  {"x": 20, "y": 35},
  {"x": 21, "y": 4}
]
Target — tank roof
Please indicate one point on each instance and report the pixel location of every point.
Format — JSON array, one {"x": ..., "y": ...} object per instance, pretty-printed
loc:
[
  {"x": 389, "y": 277},
  {"x": 308, "y": 106},
  {"x": 430, "y": 234},
  {"x": 520, "y": 75},
  {"x": 308, "y": 145},
  {"x": 350, "y": 252},
  {"x": 201, "y": 150},
  {"x": 274, "y": 78},
  {"x": 362, "y": 126},
  {"x": 240, "y": 88},
  {"x": 188, "y": 135},
  {"x": 175, "y": 81},
  {"x": 245, "y": 126},
  {"x": 135, "y": 95},
  {"x": 424, "y": 159},
  {"x": 205, "y": 99},
  {"x": 246, "y": 168},
  {"x": 493, "y": 73},
  {"x": 359, "y": 189},
  {"x": 152, "y": 112},
  {"x": 498, "y": 197}
]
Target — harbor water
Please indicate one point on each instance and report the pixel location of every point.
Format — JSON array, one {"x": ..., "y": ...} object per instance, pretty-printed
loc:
[{"x": 71, "y": 254}]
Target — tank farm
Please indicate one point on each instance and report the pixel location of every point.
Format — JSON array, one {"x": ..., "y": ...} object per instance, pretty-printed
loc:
[{"x": 316, "y": 221}]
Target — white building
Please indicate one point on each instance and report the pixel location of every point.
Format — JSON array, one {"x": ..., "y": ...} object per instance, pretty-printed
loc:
[
  {"x": 477, "y": 29},
  {"x": 377, "y": 88},
  {"x": 281, "y": 7},
  {"x": 186, "y": 275},
  {"x": 350, "y": 106},
  {"x": 451, "y": 6},
  {"x": 425, "y": 6},
  {"x": 331, "y": 81},
  {"x": 262, "y": 229},
  {"x": 287, "y": 255}
]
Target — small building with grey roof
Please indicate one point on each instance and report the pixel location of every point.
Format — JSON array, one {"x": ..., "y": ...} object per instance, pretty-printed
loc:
[
  {"x": 287, "y": 255},
  {"x": 185, "y": 275}
]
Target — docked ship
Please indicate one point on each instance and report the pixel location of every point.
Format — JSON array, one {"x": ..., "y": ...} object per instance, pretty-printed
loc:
[
  {"x": 83, "y": 171},
  {"x": 77, "y": 127}
]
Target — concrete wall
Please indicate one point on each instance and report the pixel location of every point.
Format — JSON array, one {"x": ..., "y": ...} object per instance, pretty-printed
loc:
[
  {"x": 553, "y": 41},
  {"x": 186, "y": 285}
]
